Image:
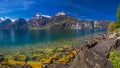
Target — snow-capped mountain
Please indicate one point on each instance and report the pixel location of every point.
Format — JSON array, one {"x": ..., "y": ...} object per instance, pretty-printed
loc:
[
  {"x": 38, "y": 20},
  {"x": 58, "y": 21}
]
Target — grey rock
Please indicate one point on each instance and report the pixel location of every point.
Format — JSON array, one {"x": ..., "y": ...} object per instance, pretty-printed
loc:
[
  {"x": 91, "y": 44},
  {"x": 104, "y": 46}
]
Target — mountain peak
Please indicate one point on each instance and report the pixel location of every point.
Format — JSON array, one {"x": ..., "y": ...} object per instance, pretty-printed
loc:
[
  {"x": 3, "y": 18},
  {"x": 60, "y": 14},
  {"x": 38, "y": 16}
]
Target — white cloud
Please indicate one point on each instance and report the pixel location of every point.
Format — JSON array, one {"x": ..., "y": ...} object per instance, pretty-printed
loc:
[{"x": 14, "y": 5}]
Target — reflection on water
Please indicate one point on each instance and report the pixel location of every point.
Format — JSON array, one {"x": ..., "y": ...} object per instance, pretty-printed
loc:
[{"x": 21, "y": 37}]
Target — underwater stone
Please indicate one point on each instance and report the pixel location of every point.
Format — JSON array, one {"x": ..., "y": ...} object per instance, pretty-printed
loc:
[{"x": 1, "y": 58}]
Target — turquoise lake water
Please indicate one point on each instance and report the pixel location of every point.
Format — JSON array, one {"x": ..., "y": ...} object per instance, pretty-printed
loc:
[{"x": 31, "y": 37}]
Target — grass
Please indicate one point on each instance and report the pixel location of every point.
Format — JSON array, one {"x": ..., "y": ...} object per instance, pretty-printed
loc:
[{"x": 115, "y": 58}]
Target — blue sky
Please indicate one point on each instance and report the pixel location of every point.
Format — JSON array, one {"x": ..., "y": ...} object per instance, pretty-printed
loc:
[{"x": 81, "y": 9}]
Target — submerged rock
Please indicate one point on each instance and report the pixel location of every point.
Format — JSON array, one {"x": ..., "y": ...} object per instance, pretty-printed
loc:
[{"x": 1, "y": 58}]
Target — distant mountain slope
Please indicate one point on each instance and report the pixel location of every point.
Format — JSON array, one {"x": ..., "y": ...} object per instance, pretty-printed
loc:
[
  {"x": 20, "y": 23},
  {"x": 59, "y": 21},
  {"x": 4, "y": 23},
  {"x": 38, "y": 21}
]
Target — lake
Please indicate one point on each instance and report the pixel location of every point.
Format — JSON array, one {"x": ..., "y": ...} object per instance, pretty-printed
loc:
[{"x": 32, "y": 37}]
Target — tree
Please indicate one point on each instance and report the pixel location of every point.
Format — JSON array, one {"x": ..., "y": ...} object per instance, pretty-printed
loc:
[
  {"x": 118, "y": 17},
  {"x": 118, "y": 14},
  {"x": 116, "y": 24}
]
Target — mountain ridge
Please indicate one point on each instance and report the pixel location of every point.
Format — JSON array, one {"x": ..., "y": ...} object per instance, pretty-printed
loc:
[{"x": 58, "y": 21}]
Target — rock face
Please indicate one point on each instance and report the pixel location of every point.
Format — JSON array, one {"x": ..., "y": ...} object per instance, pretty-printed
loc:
[
  {"x": 83, "y": 24},
  {"x": 101, "y": 24},
  {"x": 62, "y": 22},
  {"x": 67, "y": 22}
]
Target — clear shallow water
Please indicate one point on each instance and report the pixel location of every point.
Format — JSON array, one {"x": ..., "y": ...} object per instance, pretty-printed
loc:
[{"x": 22, "y": 38}]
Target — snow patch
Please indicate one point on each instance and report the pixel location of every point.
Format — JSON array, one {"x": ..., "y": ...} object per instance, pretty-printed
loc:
[
  {"x": 46, "y": 16},
  {"x": 4, "y": 18},
  {"x": 60, "y": 13}
]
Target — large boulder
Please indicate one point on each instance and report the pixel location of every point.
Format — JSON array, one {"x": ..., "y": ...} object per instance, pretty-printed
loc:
[{"x": 104, "y": 46}]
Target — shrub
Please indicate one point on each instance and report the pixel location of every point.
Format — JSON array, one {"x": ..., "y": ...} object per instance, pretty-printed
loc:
[
  {"x": 115, "y": 58},
  {"x": 112, "y": 27}
]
